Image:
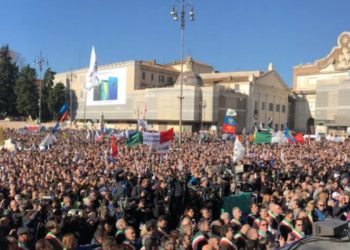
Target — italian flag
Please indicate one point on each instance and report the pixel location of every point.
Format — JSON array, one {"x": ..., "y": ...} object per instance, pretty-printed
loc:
[{"x": 155, "y": 139}]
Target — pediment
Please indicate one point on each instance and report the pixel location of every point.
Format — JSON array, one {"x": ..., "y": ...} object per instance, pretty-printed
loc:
[
  {"x": 339, "y": 58},
  {"x": 272, "y": 79}
]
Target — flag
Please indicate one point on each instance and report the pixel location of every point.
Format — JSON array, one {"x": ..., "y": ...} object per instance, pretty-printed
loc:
[
  {"x": 269, "y": 123},
  {"x": 99, "y": 136},
  {"x": 63, "y": 109},
  {"x": 142, "y": 124},
  {"x": 64, "y": 116},
  {"x": 151, "y": 139},
  {"x": 134, "y": 139},
  {"x": 55, "y": 129},
  {"x": 91, "y": 77},
  {"x": 229, "y": 126},
  {"x": 9, "y": 145},
  {"x": 289, "y": 135},
  {"x": 299, "y": 138},
  {"x": 162, "y": 148},
  {"x": 262, "y": 137},
  {"x": 88, "y": 135},
  {"x": 238, "y": 151},
  {"x": 114, "y": 148},
  {"x": 157, "y": 138},
  {"x": 231, "y": 112},
  {"x": 166, "y": 136},
  {"x": 2, "y": 140},
  {"x": 49, "y": 139},
  {"x": 279, "y": 137}
]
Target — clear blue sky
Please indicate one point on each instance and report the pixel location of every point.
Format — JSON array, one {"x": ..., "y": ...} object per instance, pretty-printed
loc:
[{"x": 230, "y": 35}]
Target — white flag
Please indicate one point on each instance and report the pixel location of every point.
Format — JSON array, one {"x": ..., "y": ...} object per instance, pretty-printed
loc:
[
  {"x": 238, "y": 151},
  {"x": 91, "y": 77},
  {"x": 231, "y": 112},
  {"x": 151, "y": 139}
]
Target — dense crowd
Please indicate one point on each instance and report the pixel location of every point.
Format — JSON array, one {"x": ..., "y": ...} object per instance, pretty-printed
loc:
[{"x": 76, "y": 196}]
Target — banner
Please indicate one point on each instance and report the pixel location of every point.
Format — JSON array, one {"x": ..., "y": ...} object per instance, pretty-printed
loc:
[{"x": 241, "y": 200}]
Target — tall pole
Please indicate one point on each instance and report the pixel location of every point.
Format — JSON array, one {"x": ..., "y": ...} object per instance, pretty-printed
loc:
[
  {"x": 70, "y": 77},
  {"x": 182, "y": 67},
  {"x": 183, "y": 25},
  {"x": 40, "y": 62}
]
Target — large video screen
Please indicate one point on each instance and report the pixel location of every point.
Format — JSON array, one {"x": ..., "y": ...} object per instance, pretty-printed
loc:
[{"x": 111, "y": 90}]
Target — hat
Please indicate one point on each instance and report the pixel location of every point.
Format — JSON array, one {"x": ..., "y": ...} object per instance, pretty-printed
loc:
[
  {"x": 336, "y": 175},
  {"x": 335, "y": 195},
  {"x": 22, "y": 230}
]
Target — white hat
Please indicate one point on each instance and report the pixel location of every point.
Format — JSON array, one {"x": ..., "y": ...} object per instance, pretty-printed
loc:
[{"x": 335, "y": 195}]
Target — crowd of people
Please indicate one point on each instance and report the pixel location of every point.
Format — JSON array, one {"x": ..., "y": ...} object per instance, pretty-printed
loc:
[{"x": 74, "y": 195}]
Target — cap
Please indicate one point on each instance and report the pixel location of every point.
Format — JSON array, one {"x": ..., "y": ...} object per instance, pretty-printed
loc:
[{"x": 22, "y": 230}]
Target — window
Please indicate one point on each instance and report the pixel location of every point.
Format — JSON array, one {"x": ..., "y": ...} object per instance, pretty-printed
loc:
[
  {"x": 256, "y": 105},
  {"x": 282, "y": 126},
  {"x": 283, "y": 109},
  {"x": 263, "y": 105},
  {"x": 270, "y": 106},
  {"x": 237, "y": 87},
  {"x": 143, "y": 75},
  {"x": 276, "y": 127},
  {"x": 169, "y": 80},
  {"x": 152, "y": 77},
  {"x": 161, "y": 78},
  {"x": 263, "y": 125},
  {"x": 277, "y": 108}
]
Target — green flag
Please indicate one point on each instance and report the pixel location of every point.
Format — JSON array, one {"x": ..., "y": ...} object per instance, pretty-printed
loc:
[
  {"x": 261, "y": 137},
  {"x": 134, "y": 139}
]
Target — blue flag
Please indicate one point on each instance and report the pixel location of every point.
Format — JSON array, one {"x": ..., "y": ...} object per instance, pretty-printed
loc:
[{"x": 63, "y": 109}]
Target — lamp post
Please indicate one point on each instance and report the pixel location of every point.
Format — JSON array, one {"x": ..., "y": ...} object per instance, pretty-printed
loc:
[
  {"x": 70, "y": 76},
  {"x": 173, "y": 13},
  {"x": 40, "y": 62}
]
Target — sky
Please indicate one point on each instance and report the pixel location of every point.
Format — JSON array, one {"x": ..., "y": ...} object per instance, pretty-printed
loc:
[{"x": 230, "y": 35}]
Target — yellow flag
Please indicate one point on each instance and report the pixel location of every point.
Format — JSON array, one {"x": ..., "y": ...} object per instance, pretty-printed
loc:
[{"x": 1, "y": 136}]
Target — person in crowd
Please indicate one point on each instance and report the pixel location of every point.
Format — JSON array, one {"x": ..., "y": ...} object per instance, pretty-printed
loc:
[
  {"x": 23, "y": 234},
  {"x": 201, "y": 237},
  {"x": 226, "y": 241}
]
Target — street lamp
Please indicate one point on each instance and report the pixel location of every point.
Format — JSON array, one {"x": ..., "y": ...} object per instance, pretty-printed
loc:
[
  {"x": 70, "y": 76},
  {"x": 40, "y": 62},
  {"x": 173, "y": 13}
]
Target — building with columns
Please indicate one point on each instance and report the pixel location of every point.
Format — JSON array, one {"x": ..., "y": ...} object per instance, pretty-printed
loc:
[
  {"x": 321, "y": 92},
  {"x": 135, "y": 89}
]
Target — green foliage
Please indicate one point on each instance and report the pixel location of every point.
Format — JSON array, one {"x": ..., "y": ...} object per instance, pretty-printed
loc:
[
  {"x": 27, "y": 92},
  {"x": 46, "y": 88},
  {"x": 57, "y": 97},
  {"x": 8, "y": 75}
]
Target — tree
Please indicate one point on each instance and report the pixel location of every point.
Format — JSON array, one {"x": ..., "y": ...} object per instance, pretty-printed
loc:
[
  {"x": 46, "y": 87},
  {"x": 27, "y": 92},
  {"x": 8, "y": 75},
  {"x": 57, "y": 97}
]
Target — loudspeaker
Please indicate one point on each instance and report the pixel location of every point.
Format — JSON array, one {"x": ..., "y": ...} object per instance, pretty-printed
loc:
[{"x": 330, "y": 227}]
